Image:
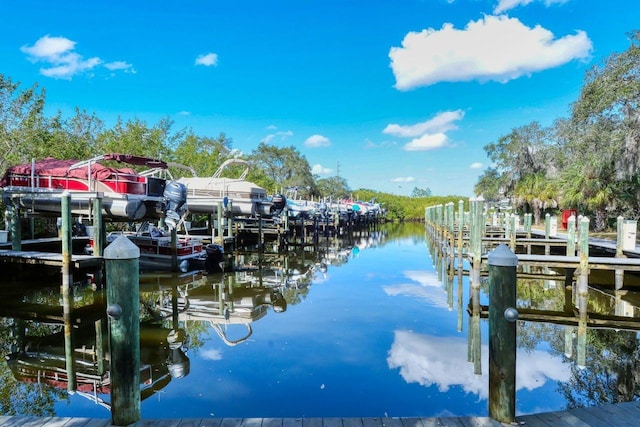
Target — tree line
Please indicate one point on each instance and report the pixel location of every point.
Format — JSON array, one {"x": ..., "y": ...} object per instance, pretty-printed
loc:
[
  {"x": 26, "y": 133},
  {"x": 588, "y": 161}
]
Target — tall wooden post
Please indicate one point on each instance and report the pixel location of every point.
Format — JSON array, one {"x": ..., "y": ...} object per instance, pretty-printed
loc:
[
  {"x": 122, "y": 259},
  {"x": 619, "y": 273},
  {"x": 502, "y": 334},
  {"x": 98, "y": 227},
  {"x": 174, "y": 249},
  {"x": 527, "y": 225},
  {"x": 16, "y": 225},
  {"x": 571, "y": 236},
  {"x": 67, "y": 281},
  {"x": 460, "y": 230},
  {"x": 219, "y": 218}
]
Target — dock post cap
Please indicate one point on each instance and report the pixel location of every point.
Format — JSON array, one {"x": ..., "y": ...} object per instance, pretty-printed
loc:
[
  {"x": 121, "y": 248},
  {"x": 502, "y": 256}
]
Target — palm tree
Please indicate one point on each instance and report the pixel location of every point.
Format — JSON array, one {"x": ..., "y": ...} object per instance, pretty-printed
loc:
[
  {"x": 538, "y": 192},
  {"x": 583, "y": 187}
]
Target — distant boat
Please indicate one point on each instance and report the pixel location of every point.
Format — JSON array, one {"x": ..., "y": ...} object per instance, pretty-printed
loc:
[
  {"x": 237, "y": 196},
  {"x": 155, "y": 248},
  {"x": 126, "y": 195}
]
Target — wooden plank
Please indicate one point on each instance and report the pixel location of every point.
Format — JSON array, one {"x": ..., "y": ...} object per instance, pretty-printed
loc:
[
  {"x": 601, "y": 414},
  {"x": 211, "y": 422},
  {"x": 24, "y": 421},
  {"x": 570, "y": 419},
  {"x": 312, "y": 422},
  {"x": 95, "y": 422},
  {"x": 617, "y": 412},
  {"x": 168, "y": 422},
  {"x": 449, "y": 422},
  {"x": 372, "y": 422},
  {"x": 411, "y": 422},
  {"x": 535, "y": 421},
  {"x": 272, "y": 422},
  {"x": 231, "y": 422},
  {"x": 431, "y": 422},
  {"x": 292, "y": 422},
  {"x": 251, "y": 422},
  {"x": 479, "y": 422},
  {"x": 589, "y": 417},
  {"x": 549, "y": 418},
  {"x": 332, "y": 422},
  {"x": 391, "y": 422},
  {"x": 190, "y": 422},
  {"x": 631, "y": 408},
  {"x": 352, "y": 422}
]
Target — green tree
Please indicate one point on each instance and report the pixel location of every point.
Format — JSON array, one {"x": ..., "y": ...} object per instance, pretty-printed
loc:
[
  {"x": 537, "y": 192},
  {"x": 490, "y": 185},
  {"x": 420, "y": 192},
  {"x": 334, "y": 187},
  {"x": 136, "y": 137},
  {"x": 72, "y": 138},
  {"x": 525, "y": 150},
  {"x": 286, "y": 167},
  {"x": 21, "y": 121},
  {"x": 203, "y": 154},
  {"x": 603, "y": 138}
]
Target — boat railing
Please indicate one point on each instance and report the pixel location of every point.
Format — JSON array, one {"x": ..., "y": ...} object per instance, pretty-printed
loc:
[{"x": 229, "y": 162}]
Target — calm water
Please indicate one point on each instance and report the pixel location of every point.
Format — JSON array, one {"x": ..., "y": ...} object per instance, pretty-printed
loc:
[{"x": 367, "y": 327}]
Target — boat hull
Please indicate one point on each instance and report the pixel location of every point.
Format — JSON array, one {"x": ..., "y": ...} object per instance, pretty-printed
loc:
[{"x": 114, "y": 206}]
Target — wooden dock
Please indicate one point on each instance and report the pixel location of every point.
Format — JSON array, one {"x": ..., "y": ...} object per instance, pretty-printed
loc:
[
  {"x": 51, "y": 259},
  {"x": 619, "y": 414}
]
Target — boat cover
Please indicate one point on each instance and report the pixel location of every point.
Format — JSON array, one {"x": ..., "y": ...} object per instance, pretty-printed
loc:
[{"x": 61, "y": 168}]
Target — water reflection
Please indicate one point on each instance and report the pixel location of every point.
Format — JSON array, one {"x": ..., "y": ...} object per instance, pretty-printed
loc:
[
  {"x": 586, "y": 344},
  {"x": 432, "y": 360},
  {"x": 178, "y": 311},
  {"x": 383, "y": 322}
]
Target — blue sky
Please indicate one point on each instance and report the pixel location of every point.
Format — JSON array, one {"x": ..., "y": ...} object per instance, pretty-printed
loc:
[{"x": 390, "y": 95}]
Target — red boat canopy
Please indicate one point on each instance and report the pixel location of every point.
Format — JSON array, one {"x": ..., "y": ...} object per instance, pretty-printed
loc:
[
  {"x": 62, "y": 168},
  {"x": 136, "y": 160}
]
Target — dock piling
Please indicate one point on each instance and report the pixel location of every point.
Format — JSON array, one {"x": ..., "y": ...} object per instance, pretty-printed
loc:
[
  {"x": 122, "y": 259},
  {"x": 502, "y": 334}
]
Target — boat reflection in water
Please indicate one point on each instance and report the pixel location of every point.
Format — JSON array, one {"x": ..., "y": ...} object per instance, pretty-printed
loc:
[{"x": 176, "y": 313}]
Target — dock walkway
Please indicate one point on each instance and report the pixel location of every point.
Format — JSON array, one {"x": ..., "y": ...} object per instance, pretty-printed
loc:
[{"x": 620, "y": 414}]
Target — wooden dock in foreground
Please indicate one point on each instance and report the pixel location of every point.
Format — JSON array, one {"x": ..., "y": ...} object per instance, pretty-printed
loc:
[{"x": 619, "y": 414}]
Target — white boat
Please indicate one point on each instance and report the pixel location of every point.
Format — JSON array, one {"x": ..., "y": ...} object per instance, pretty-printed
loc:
[{"x": 237, "y": 196}]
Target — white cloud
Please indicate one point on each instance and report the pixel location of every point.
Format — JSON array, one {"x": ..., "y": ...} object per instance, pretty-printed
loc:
[
  {"x": 504, "y": 5},
  {"x": 427, "y": 135},
  {"x": 280, "y": 136},
  {"x": 493, "y": 48},
  {"x": 120, "y": 65},
  {"x": 403, "y": 179},
  {"x": 211, "y": 354},
  {"x": 320, "y": 170},
  {"x": 207, "y": 59},
  {"x": 317, "y": 141},
  {"x": 443, "y": 122},
  {"x": 63, "y": 62},
  {"x": 427, "y": 142},
  {"x": 442, "y": 361},
  {"x": 476, "y": 165}
]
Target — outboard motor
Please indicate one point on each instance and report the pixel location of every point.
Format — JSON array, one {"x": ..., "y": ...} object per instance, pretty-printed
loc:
[
  {"x": 278, "y": 202},
  {"x": 176, "y": 194},
  {"x": 178, "y": 363},
  {"x": 215, "y": 258}
]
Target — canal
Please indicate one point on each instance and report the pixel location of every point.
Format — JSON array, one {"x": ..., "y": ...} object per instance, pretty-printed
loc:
[{"x": 367, "y": 326}]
